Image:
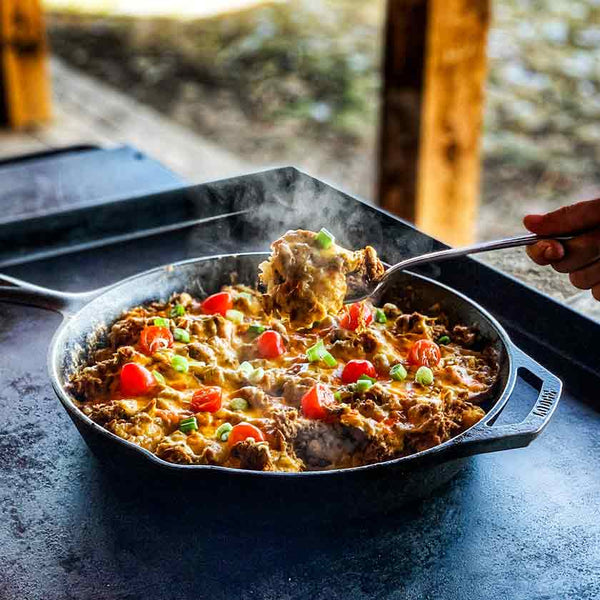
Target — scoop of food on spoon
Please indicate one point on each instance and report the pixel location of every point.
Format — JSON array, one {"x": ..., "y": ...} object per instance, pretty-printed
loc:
[{"x": 365, "y": 288}]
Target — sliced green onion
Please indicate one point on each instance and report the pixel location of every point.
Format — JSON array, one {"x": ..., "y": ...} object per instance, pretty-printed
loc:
[
  {"x": 180, "y": 364},
  {"x": 380, "y": 316},
  {"x": 338, "y": 396},
  {"x": 236, "y": 316},
  {"x": 362, "y": 385},
  {"x": 159, "y": 377},
  {"x": 444, "y": 340},
  {"x": 254, "y": 328},
  {"x": 316, "y": 352},
  {"x": 177, "y": 311},
  {"x": 398, "y": 372},
  {"x": 319, "y": 352},
  {"x": 257, "y": 375},
  {"x": 424, "y": 376},
  {"x": 246, "y": 369},
  {"x": 181, "y": 335},
  {"x": 246, "y": 295},
  {"x": 367, "y": 378},
  {"x": 325, "y": 238},
  {"x": 189, "y": 424},
  {"x": 161, "y": 322},
  {"x": 329, "y": 360},
  {"x": 223, "y": 430},
  {"x": 238, "y": 404}
]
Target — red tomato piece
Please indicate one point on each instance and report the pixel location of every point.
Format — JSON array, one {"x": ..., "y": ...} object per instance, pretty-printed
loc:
[
  {"x": 355, "y": 368},
  {"x": 243, "y": 431},
  {"x": 206, "y": 399},
  {"x": 270, "y": 344},
  {"x": 217, "y": 304},
  {"x": 154, "y": 338},
  {"x": 314, "y": 403},
  {"x": 424, "y": 353},
  {"x": 136, "y": 380},
  {"x": 356, "y": 315}
]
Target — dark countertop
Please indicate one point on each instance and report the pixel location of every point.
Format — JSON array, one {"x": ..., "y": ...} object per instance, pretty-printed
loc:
[{"x": 520, "y": 524}]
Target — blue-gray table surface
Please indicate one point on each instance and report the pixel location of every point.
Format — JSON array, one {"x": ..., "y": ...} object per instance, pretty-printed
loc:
[{"x": 519, "y": 524}]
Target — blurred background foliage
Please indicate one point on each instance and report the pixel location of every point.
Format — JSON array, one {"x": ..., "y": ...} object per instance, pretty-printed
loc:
[{"x": 299, "y": 82}]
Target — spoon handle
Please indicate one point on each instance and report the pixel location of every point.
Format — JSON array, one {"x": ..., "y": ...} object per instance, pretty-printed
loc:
[{"x": 519, "y": 240}]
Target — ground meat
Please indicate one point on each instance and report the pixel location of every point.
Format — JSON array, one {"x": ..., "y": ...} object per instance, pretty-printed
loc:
[
  {"x": 255, "y": 397},
  {"x": 126, "y": 332},
  {"x": 175, "y": 452},
  {"x": 97, "y": 379},
  {"x": 465, "y": 336},
  {"x": 208, "y": 326},
  {"x": 410, "y": 323},
  {"x": 202, "y": 352},
  {"x": 252, "y": 455},
  {"x": 295, "y": 387},
  {"x": 285, "y": 422},
  {"x": 306, "y": 283},
  {"x": 321, "y": 444}
]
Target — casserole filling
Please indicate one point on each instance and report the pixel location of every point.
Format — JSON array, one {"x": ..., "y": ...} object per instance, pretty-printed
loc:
[{"x": 289, "y": 380}]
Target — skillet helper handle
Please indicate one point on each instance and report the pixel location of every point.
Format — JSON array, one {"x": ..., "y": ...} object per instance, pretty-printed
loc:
[
  {"x": 16, "y": 291},
  {"x": 491, "y": 438}
]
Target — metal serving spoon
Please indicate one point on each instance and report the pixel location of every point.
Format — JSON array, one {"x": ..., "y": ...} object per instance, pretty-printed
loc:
[{"x": 358, "y": 293}]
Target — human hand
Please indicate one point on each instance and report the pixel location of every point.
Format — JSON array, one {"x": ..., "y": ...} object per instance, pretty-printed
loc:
[{"x": 579, "y": 257}]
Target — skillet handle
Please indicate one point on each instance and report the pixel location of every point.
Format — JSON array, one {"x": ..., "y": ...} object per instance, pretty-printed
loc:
[
  {"x": 16, "y": 291},
  {"x": 490, "y": 438}
]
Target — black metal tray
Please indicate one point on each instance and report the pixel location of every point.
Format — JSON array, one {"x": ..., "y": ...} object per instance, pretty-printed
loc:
[{"x": 520, "y": 524}]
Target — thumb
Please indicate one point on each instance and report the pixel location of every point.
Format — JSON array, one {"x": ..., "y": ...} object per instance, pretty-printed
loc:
[{"x": 567, "y": 219}]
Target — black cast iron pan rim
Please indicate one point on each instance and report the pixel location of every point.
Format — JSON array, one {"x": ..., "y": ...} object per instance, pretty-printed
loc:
[{"x": 69, "y": 405}]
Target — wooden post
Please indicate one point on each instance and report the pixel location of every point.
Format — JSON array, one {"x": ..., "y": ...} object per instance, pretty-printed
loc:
[
  {"x": 434, "y": 70},
  {"x": 24, "y": 81}
]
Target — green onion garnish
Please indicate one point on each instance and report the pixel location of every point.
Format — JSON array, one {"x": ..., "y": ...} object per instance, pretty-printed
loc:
[
  {"x": 325, "y": 238},
  {"x": 180, "y": 364},
  {"x": 380, "y": 316},
  {"x": 246, "y": 295},
  {"x": 444, "y": 340},
  {"x": 362, "y": 385},
  {"x": 314, "y": 353},
  {"x": 424, "y": 376},
  {"x": 235, "y": 316},
  {"x": 338, "y": 396},
  {"x": 238, "y": 404},
  {"x": 398, "y": 372},
  {"x": 254, "y": 328},
  {"x": 367, "y": 378},
  {"x": 329, "y": 360},
  {"x": 161, "y": 322},
  {"x": 246, "y": 369},
  {"x": 159, "y": 377},
  {"x": 181, "y": 335},
  {"x": 177, "y": 311},
  {"x": 189, "y": 424},
  {"x": 257, "y": 375},
  {"x": 223, "y": 430}
]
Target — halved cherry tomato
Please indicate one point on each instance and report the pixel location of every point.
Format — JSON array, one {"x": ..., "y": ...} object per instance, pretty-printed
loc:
[
  {"x": 154, "y": 338},
  {"x": 424, "y": 353},
  {"x": 356, "y": 315},
  {"x": 355, "y": 368},
  {"x": 206, "y": 399},
  {"x": 270, "y": 344},
  {"x": 136, "y": 380},
  {"x": 243, "y": 431},
  {"x": 217, "y": 304},
  {"x": 315, "y": 401}
]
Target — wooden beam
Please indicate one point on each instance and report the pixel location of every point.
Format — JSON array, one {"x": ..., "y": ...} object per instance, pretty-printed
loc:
[
  {"x": 434, "y": 71},
  {"x": 23, "y": 64}
]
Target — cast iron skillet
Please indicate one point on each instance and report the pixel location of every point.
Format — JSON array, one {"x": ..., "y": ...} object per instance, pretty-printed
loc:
[{"x": 357, "y": 491}]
